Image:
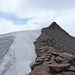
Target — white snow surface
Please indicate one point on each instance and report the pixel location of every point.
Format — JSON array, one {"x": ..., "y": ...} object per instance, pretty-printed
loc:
[{"x": 21, "y": 54}]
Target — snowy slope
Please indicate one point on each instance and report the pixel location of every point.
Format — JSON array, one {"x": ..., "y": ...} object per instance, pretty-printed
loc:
[{"x": 21, "y": 54}]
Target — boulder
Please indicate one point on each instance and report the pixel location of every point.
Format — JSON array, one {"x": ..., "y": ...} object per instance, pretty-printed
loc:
[
  {"x": 35, "y": 70},
  {"x": 52, "y": 59},
  {"x": 60, "y": 58},
  {"x": 55, "y": 53},
  {"x": 43, "y": 73},
  {"x": 46, "y": 59},
  {"x": 36, "y": 64},
  {"x": 58, "y": 67},
  {"x": 44, "y": 68},
  {"x": 43, "y": 56},
  {"x": 72, "y": 62},
  {"x": 68, "y": 73},
  {"x": 62, "y": 55},
  {"x": 39, "y": 60}
]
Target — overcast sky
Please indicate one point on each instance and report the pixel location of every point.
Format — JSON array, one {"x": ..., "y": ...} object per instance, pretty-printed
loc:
[{"x": 16, "y": 15}]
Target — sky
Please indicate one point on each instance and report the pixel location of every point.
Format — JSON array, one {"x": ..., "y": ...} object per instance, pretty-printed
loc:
[{"x": 19, "y": 15}]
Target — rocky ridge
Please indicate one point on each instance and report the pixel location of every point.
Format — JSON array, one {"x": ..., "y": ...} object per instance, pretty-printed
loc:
[{"x": 55, "y": 50}]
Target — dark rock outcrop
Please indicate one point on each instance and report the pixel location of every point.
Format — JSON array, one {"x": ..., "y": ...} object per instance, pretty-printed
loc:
[
  {"x": 54, "y": 36},
  {"x": 41, "y": 70},
  {"x": 59, "y": 67},
  {"x": 56, "y": 48},
  {"x": 72, "y": 62},
  {"x": 68, "y": 73}
]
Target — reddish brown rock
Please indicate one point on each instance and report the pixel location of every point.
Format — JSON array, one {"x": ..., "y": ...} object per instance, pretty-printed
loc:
[
  {"x": 62, "y": 55},
  {"x": 46, "y": 59},
  {"x": 55, "y": 53},
  {"x": 48, "y": 45},
  {"x": 35, "y": 70},
  {"x": 43, "y": 56},
  {"x": 48, "y": 56},
  {"x": 68, "y": 73},
  {"x": 52, "y": 59},
  {"x": 43, "y": 67},
  {"x": 58, "y": 67},
  {"x": 36, "y": 64},
  {"x": 57, "y": 74},
  {"x": 43, "y": 73},
  {"x": 48, "y": 62},
  {"x": 39, "y": 60},
  {"x": 60, "y": 58},
  {"x": 72, "y": 62},
  {"x": 51, "y": 48},
  {"x": 48, "y": 51}
]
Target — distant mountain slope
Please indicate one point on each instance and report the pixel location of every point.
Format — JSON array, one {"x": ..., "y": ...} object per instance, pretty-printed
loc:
[{"x": 57, "y": 38}]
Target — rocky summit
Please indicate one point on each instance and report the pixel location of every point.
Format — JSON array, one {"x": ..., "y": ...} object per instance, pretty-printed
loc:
[
  {"x": 54, "y": 36},
  {"x": 55, "y": 50}
]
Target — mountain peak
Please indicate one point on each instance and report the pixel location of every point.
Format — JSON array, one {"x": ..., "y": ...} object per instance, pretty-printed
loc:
[
  {"x": 54, "y": 25},
  {"x": 58, "y": 38}
]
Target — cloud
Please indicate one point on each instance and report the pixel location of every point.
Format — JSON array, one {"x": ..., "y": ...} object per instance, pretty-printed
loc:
[
  {"x": 7, "y": 26},
  {"x": 31, "y": 8},
  {"x": 42, "y": 19}
]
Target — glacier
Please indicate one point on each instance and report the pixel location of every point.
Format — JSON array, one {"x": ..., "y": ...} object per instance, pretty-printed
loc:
[{"x": 21, "y": 54}]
